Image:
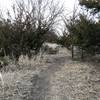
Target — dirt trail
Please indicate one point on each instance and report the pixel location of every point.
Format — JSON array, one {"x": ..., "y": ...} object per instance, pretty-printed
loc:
[
  {"x": 65, "y": 79},
  {"x": 43, "y": 86},
  {"x": 60, "y": 79}
]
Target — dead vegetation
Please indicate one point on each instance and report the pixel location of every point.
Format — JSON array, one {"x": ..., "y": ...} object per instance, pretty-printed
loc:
[{"x": 56, "y": 77}]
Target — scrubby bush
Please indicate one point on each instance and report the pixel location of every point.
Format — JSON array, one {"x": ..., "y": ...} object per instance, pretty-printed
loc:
[{"x": 26, "y": 29}]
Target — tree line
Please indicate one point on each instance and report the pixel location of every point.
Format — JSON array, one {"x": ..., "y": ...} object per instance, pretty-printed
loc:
[
  {"x": 84, "y": 27},
  {"x": 26, "y": 28}
]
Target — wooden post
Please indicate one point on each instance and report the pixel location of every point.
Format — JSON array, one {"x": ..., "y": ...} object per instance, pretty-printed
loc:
[
  {"x": 82, "y": 55},
  {"x": 72, "y": 52}
]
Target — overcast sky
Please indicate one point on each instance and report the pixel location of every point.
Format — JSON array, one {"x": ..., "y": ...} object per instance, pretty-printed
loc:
[
  {"x": 6, "y": 4},
  {"x": 68, "y": 5}
]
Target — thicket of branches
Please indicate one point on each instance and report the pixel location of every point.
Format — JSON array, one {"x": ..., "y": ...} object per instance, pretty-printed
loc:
[{"x": 24, "y": 30}]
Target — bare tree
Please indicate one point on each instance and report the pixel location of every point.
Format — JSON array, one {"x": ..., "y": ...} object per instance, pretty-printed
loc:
[
  {"x": 31, "y": 20},
  {"x": 69, "y": 27}
]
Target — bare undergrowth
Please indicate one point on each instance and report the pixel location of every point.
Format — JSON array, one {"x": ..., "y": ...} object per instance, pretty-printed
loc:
[{"x": 55, "y": 77}]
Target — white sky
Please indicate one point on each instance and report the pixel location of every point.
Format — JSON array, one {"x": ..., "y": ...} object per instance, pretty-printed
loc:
[{"x": 6, "y": 4}]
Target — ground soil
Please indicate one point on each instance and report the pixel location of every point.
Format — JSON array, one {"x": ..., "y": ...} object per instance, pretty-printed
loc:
[{"x": 59, "y": 78}]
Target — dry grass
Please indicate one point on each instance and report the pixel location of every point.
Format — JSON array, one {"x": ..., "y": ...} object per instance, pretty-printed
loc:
[{"x": 55, "y": 77}]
